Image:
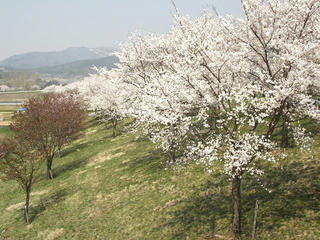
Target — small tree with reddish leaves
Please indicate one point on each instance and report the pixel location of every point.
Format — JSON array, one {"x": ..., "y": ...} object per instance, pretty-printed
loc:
[
  {"x": 49, "y": 122},
  {"x": 19, "y": 161}
]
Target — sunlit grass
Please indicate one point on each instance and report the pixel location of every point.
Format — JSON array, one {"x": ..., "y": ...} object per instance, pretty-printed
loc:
[{"x": 122, "y": 188}]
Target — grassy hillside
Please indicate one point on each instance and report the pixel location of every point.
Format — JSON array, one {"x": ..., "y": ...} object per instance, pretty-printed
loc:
[
  {"x": 121, "y": 188},
  {"x": 4, "y": 131}
]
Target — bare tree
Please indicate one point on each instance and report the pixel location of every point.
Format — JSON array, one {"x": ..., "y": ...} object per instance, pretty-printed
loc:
[
  {"x": 20, "y": 162},
  {"x": 49, "y": 122}
]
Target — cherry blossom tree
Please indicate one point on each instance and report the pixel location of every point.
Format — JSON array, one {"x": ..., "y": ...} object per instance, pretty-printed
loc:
[
  {"x": 106, "y": 98},
  {"x": 231, "y": 82},
  {"x": 283, "y": 46}
]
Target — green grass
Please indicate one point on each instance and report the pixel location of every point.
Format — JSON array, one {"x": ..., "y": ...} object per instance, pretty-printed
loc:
[
  {"x": 121, "y": 188},
  {"x": 4, "y": 131}
]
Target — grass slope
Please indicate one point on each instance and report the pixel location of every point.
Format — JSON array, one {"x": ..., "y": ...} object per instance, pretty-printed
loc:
[{"x": 121, "y": 188}]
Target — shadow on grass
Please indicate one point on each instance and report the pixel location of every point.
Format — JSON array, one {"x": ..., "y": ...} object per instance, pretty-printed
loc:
[
  {"x": 295, "y": 188},
  {"x": 199, "y": 212},
  {"x": 151, "y": 162},
  {"x": 311, "y": 127},
  {"x": 70, "y": 166},
  {"x": 74, "y": 148},
  {"x": 123, "y": 127},
  {"x": 49, "y": 201},
  {"x": 91, "y": 123},
  {"x": 77, "y": 162}
]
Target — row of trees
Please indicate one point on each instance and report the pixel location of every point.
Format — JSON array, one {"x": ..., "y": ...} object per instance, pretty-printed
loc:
[
  {"x": 104, "y": 96},
  {"x": 38, "y": 134},
  {"x": 217, "y": 88}
]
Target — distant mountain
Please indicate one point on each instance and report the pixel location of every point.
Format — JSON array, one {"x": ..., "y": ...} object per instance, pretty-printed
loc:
[
  {"x": 77, "y": 68},
  {"x": 34, "y": 60}
]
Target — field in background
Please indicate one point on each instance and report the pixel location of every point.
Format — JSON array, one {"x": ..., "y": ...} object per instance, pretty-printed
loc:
[
  {"x": 16, "y": 97},
  {"x": 10, "y": 102},
  {"x": 6, "y": 113}
]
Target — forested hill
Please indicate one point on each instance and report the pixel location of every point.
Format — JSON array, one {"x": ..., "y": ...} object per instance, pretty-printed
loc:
[
  {"x": 77, "y": 68},
  {"x": 33, "y": 60}
]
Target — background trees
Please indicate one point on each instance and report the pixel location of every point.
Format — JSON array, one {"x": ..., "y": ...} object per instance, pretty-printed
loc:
[{"x": 105, "y": 97}]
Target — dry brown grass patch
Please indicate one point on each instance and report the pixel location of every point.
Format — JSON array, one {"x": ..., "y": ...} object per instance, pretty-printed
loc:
[
  {"x": 16, "y": 206},
  {"x": 104, "y": 156},
  {"x": 50, "y": 234}
]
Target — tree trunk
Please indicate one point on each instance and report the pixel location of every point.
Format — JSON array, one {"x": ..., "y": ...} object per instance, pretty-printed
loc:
[
  {"x": 172, "y": 151},
  {"x": 26, "y": 207},
  {"x": 273, "y": 123},
  {"x": 172, "y": 155},
  {"x": 236, "y": 207},
  {"x": 49, "y": 170},
  {"x": 114, "y": 127},
  {"x": 254, "y": 227},
  {"x": 59, "y": 151},
  {"x": 285, "y": 134}
]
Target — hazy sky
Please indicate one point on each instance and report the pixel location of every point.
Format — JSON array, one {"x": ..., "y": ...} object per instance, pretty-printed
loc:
[{"x": 47, "y": 25}]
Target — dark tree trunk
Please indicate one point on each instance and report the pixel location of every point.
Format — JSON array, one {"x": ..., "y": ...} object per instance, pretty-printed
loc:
[
  {"x": 114, "y": 127},
  {"x": 285, "y": 134},
  {"x": 26, "y": 207},
  {"x": 59, "y": 151},
  {"x": 172, "y": 151},
  {"x": 172, "y": 155},
  {"x": 236, "y": 207},
  {"x": 49, "y": 170},
  {"x": 149, "y": 132},
  {"x": 254, "y": 227},
  {"x": 276, "y": 118}
]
